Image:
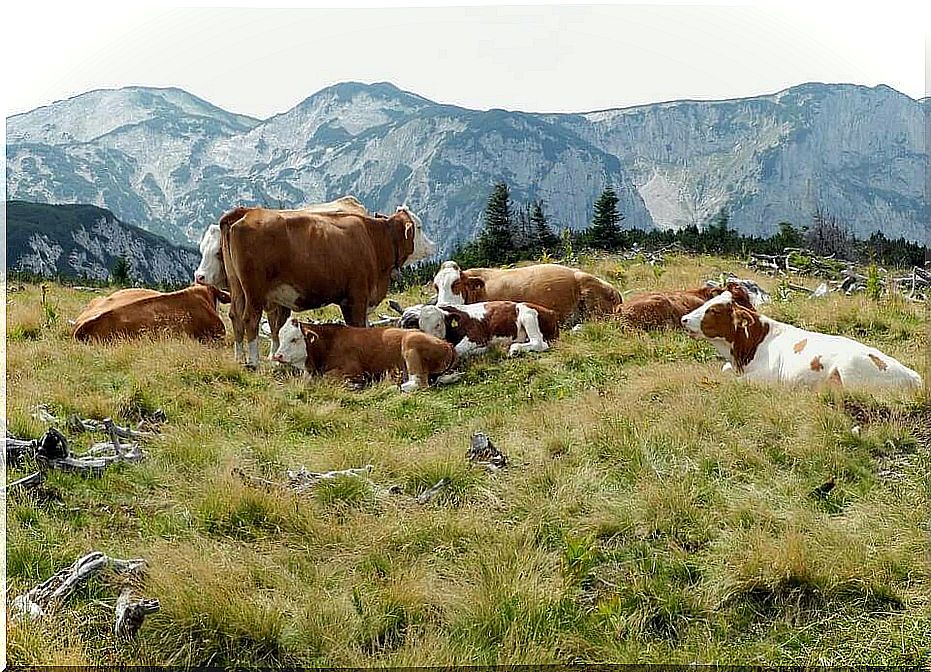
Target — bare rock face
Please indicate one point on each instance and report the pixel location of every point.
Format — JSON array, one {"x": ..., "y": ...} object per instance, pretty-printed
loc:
[
  {"x": 86, "y": 241},
  {"x": 167, "y": 161}
]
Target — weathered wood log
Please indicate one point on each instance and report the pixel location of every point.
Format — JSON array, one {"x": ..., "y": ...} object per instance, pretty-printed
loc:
[
  {"x": 302, "y": 480},
  {"x": 430, "y": 493},
  {"x": 48, "y": 596},
  {"x": 25, "y": 483},
  {"x": 131, "y": 612},
  {"x": 395, "y": 306}
]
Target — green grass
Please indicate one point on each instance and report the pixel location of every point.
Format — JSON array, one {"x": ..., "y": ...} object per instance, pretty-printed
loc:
[{"x": 653, "y": 510}]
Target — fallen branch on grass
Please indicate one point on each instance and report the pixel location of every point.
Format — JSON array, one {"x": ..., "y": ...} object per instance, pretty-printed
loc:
[
  {"x": 302, "y": 480},
  {"x": 53, "y": 452},
  {"x": 26, "y": 482},
  {"x": 48, "y": 596},
  {"x": 131, "y": 612},
  {"x": 430, "y": 493}
]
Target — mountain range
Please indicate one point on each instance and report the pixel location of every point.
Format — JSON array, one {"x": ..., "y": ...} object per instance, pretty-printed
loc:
[{"x": 171, "y": 163}]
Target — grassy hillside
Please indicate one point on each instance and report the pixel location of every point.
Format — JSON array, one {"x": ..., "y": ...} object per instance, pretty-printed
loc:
[{"x": 654, "y": 509}]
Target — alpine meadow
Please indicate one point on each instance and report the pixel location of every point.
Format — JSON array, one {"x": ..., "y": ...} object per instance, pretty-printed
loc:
[
  {"x": 550, "y": 337},
  {"x": 653, "y": 508}
]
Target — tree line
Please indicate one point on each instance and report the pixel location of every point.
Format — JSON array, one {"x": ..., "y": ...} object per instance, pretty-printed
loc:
[{"x": 513, "y": 233}]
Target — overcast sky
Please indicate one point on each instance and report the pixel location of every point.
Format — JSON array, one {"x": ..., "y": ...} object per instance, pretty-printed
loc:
[{"x": 556, "y": 57}]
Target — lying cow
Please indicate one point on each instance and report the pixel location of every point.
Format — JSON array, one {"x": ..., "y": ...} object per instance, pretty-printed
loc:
[
  {"x": 360, "y": 352},
  {"x": 212, "y": 270},
  {"x": 660, "y": 310},
  {"x": 568, "y": 292},
  {"x": 759, "y": 348},
  {"x": 130, "y": 312},
  {"x": 472, "y": 328}
]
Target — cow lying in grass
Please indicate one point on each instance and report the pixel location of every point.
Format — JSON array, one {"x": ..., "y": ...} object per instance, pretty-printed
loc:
[
  {"x": 759, "y": 348},
  {"x": 570, "y": 293},
  {"x": 662, "y": 310},
  {"x": 361, "y": 353},
  {"x": 473, "y": 327},
  {"x": 131, "y": 312}
]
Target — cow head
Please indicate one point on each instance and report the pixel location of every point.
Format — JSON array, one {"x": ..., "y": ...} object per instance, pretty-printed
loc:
[
  {"x": 293, "y": 343},
  {"x": 211, "y": 270},
  {"x": 433, "y": 321},
  {"x": 735, "y": 329},
  {"x": 413, "y": 230},
  {"x": 453, "y": 289}
]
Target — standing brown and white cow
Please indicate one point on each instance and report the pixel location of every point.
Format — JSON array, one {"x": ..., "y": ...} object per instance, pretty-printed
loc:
[
  {"x": 303, "y": 260},
  {"x": 130, "y": 312},
  {"x": 211, "y": 270},
  {"x": 570, "y": 293}
]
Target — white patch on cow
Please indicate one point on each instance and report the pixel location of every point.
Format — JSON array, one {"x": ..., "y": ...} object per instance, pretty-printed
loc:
[
  {"x": 433, "y": 321},
  {"x": 423, "y": 246},
  {"x": 476, "y": 311},
  {"x": 528, "y": 322},
  {"x": 443, "y": 280},
  {"x": 692, "y": 321},
  {"x": 413, "y": 383},
  {"x": 284, "y": 295},
  {"x": 292, "y": 348},
  {"x": 210, "y": 270}
]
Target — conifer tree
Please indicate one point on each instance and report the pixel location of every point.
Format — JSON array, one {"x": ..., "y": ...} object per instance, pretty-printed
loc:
[
  {"x": 496, "y": 241},
  {"x": 605, "y": 231},
  {"x": 543, "y": 236}
]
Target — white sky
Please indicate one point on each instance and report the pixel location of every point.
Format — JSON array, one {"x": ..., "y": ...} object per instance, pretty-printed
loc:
[{"x": 555, "y": 57}]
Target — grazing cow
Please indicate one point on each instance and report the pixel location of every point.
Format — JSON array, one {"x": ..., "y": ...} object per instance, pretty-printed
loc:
[
  {"x": 759, "y": 348},
  {"x": 212, "y": 271},
  {"x": 660, "y": 310},
  {"x": 302, "y": 260},
  {"x": 363, "y": 352},
  {"x": 475, "y": 326},
  {"x": 570, "y": 293},
  {"x": 130, "y": 312}
]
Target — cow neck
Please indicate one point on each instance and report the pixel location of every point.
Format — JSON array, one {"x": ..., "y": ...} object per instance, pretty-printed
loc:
[
  {"x": 747, "y": 340},
  {"x": 395, "y": 243}
]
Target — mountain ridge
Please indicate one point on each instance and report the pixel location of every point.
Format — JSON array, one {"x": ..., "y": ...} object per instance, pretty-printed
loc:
[{"x": 766, "y": 158}]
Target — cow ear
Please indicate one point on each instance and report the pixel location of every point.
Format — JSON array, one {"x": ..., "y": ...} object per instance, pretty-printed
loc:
[
  {"x": 311, "y": 336},
  {"x": 409, "y": 230},
  {"x": 475, "y": 284},
  {"x": 742, "y": 318},
  {"x": 223, "y": 297}
]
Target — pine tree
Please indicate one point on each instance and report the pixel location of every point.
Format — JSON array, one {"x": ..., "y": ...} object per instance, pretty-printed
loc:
[
  {"x": 496, "y": 241},
  {"x": 542, "y": 235},
  {"x": 119, "y": 275},
  {"x": 605, "y": 231}
]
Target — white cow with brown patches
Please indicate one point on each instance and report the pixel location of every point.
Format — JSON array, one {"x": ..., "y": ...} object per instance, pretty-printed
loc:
[
  {"x": 473, "y": 327},
  {"x": 759, "y": 348}
]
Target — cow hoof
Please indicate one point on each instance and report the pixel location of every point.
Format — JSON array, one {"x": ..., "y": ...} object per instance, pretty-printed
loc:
[{"x": 251, "y": 366}]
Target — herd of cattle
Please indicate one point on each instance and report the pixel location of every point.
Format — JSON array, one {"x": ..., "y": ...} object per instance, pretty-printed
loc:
[{"x": 278, "y": 261}]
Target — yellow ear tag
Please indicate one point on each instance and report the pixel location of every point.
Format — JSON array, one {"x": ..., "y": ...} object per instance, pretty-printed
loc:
[{"x": 454, "y": 323}]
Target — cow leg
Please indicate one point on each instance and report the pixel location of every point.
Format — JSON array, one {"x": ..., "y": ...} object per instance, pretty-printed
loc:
[
  {"x": 355, "y": 312},
  {"x": 417, "y": 374},
  {"x": 277, "y": 316},
  {"x": 465, "y": 348},
  {"x": 252, "y": 315},
  {"x": 528, "y": 322},
  {"x": 237, "y": 305}
]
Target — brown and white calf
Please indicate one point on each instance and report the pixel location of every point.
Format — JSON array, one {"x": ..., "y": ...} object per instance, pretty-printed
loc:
[
  {"x": 570, "y": 293},
  {"x": 473, "y": 327},
  {"x": 759, "y": 348},
  {"x": 660, "y": 310},
  {"x": 357, "y": 353}
]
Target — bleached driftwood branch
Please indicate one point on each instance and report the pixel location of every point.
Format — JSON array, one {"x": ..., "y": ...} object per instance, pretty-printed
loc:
[
  {"x": 51, "y": 593},
  {"x": 302, "y": 480},
  {"x": 26, "y": 482},
  {"x": 130, "y": 613},
  {"x": 431, "y": 492}
]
